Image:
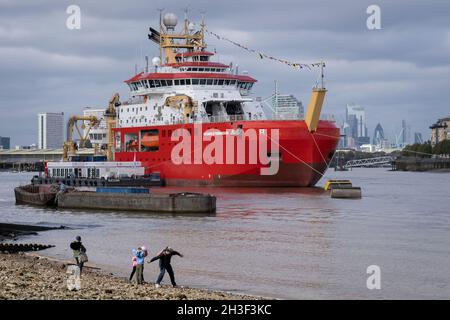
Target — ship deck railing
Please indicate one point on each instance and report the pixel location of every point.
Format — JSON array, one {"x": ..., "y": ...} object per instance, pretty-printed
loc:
[{"x": 239, "y": 117}]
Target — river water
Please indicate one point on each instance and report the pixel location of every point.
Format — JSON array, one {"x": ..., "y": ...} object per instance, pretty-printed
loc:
[{"x": 288, "y": 243}]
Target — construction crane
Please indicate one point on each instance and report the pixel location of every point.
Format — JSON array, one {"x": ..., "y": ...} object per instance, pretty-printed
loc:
[
  {"x": 111, "y": 121},
  {"x": 69, "y": 146}
]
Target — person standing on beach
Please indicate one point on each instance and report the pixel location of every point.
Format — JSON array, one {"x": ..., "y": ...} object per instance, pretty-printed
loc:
[
  {"x": 134, "y": 268},
  {"x": 79, "y": 252},
  {"x": 164, "y": 257},
  {"x": 140, "y": 258}
]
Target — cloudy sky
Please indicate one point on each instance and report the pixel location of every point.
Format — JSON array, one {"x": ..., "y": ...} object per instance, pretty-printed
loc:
[{"x": 399, "y": 72}]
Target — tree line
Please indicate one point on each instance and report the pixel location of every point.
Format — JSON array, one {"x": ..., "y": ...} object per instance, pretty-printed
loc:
[{"x": 426, "y": 150}]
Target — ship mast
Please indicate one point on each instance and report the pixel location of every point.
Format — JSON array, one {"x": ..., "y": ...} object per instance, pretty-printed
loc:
[{"x": 171, "y": 42}]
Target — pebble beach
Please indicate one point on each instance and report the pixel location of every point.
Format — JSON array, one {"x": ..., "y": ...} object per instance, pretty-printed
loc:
[{"x": 29, "y": 276}]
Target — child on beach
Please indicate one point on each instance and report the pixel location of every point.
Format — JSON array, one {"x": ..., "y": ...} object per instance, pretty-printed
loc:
[
  {"x": 140, "y": 255},
  {"x": 134, "y": 268}
]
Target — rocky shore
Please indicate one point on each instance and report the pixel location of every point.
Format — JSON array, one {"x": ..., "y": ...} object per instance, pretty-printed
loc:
[{"x": 25, "y": 276}]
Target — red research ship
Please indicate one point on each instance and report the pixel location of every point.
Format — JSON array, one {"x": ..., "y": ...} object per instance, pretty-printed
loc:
[{"x": 193, "y": 121}]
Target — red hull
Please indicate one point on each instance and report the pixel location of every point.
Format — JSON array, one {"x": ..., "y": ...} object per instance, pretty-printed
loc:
[{"x": 304, "y": 156}]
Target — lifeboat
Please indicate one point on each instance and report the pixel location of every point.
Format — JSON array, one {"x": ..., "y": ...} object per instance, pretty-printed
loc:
[{"x": 150, "y": 141}]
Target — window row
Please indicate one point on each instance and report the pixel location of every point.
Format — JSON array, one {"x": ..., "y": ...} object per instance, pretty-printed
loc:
[
  {"x": 134, "y": 86},
  {"x": 97, "y": 136},
  {"x": 187, "y": 82},
  {"x": 75, "y": 173},
  {"x": 194, "y": 69}
]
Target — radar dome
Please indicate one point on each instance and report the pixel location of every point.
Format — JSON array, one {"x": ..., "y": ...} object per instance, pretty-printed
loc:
[
  {"x": 170, "y": 21},
  {"x": 156, "y": 61}
]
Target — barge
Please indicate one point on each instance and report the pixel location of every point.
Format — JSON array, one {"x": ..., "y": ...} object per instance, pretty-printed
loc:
[
  {"x": 138, "y": 201},
  {"x": 116, "y": 198},
  {"x": 43, "y": 195}
]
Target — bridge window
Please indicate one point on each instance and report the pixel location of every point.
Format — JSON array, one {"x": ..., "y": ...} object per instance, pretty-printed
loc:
[
  {"x": 202, "y": 82},
  {"x": 188, "y": 82},
  {"x": 195, "y": 81},
  {"x": 169, "y": 83},
  {"x": 209, "y": 82},
  {"x": 182, "y": 82},
  {"x": 177, "y": 82}
]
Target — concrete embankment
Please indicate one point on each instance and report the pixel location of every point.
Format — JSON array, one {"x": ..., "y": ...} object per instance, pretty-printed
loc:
[
  {"x": 178, "y": 203},
  {"x": 32, "y": 277},
  {"x": 421, "y": 164}
]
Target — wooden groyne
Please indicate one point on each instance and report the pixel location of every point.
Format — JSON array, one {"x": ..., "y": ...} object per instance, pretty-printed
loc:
[
  {"x": 12, "y": 231},
  {"x": 421, "y": 164},
  {"x": 23, "y": 247}
]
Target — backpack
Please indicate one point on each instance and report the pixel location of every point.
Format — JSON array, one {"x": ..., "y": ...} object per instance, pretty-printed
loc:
[{"x": 75, "y": 245}]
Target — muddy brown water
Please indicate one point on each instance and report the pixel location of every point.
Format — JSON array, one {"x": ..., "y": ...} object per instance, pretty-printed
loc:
[{"x": 289, "y": 243}]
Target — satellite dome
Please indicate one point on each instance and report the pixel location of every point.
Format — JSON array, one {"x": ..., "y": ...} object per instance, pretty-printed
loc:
[
  {"x": 156, "y": 61},
  {"x": 170, "y": 21}
]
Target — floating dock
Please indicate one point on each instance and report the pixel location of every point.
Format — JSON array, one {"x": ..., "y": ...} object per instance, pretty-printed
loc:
[
  {"x": 162, "y": 203},
  {"x": 342, "y": 189}
]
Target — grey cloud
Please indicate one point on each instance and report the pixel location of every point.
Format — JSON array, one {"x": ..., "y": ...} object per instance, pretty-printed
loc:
[{"x": 399, "y": 72}]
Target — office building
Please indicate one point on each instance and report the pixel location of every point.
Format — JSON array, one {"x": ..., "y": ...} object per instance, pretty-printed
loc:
[
  {"x": 286, "y": 106},
  {"x": 98, "y": 134},
  {"x": 5, "y": 143},
  {"x": 50, "y": 130},
  {"x": 440, "y": 131}
]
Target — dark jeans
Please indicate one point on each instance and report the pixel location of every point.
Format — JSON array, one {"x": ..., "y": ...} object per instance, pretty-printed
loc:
[
  {"x": 163, "y": 269},
  {"x": 79, "y": 264},
  {"x": 132, "y": 272}
]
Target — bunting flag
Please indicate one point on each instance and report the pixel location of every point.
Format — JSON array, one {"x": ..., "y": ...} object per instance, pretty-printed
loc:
[{"x": 262, "y": 55}]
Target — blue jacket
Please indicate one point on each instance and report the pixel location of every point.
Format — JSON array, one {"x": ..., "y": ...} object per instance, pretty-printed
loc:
[{"x": 140, "y": 256}]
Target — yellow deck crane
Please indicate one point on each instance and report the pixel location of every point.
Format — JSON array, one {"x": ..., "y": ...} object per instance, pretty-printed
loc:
[
  {"x": 69, "y": 146},
  {"x": 111, "y": 122},
  {"x": 315, "y": 103},
  {"x": 111, "y": 119}
]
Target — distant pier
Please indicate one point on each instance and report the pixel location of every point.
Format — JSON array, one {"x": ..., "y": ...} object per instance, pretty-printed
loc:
[{"x": 421, "y": 164}]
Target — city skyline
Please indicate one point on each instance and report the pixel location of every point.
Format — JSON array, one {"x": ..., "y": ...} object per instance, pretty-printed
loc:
[{"x": 398, "y": 72}]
